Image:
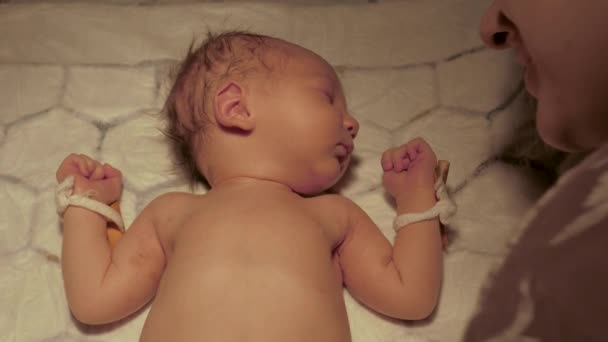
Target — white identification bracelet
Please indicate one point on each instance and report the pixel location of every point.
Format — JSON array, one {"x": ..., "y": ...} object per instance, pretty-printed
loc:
[
  {"x": 64, "y": 198},
  {"x": 444, "y": 208}
]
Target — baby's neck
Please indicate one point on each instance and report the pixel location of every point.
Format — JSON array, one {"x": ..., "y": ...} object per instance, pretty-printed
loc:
[{"x": 249, "y": 183}]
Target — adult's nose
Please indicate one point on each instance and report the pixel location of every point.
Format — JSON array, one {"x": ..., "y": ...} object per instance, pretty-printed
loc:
[{"x": 496, "y": 29}]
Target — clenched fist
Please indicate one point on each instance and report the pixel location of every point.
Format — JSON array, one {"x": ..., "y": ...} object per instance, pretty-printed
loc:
[
  {"x": 409, "y": 168},
  {"x": 100, "y": 182}
]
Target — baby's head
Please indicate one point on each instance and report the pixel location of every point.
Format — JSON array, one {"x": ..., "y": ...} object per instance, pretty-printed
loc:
[{"x": 251, "y": 106}]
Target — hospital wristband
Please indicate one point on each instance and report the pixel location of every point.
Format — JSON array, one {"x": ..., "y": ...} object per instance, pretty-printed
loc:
[
  {"x": 64, "y": 198},
  {"x": 444, "y": 209}
]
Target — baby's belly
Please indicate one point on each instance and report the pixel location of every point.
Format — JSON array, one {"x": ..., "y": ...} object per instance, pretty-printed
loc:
[{"x": 230, "y": 300}]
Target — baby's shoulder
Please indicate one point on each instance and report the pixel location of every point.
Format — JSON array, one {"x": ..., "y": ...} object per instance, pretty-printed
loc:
[
  {"x": 335, "y": 204},
  {"x": 337, "y": 211},
  {"x": 172, "y": 203},
  {"x": 174, "y": 196},
  {"x": 329, "y": 199}
]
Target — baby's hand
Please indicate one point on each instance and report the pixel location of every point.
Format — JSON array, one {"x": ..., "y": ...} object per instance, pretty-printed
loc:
[
  {"x": 102, "y": 182},
  {"x": 409, "y": 168}
]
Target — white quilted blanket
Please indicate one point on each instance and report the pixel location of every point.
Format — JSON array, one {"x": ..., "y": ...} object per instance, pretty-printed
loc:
[{"x": 85, "y": 77}]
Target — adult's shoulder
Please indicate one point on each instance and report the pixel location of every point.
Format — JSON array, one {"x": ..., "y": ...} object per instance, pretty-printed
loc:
[
  {"x": 576, "y": 184},
  {"x": 554, "y": 271}
]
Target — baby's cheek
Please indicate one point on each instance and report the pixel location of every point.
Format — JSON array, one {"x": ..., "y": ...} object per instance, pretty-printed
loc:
[{"x": 331, "y": 172}]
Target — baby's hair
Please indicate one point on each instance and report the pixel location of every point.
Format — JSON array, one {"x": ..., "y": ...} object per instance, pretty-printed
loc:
[{"x": 189, "y": 103}]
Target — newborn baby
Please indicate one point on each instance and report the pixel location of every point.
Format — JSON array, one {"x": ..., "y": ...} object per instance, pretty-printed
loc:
[{"x": 264, "y": 255}]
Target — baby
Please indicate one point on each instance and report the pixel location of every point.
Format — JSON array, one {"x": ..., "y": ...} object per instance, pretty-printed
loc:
[{"x": 264, "y": 255}]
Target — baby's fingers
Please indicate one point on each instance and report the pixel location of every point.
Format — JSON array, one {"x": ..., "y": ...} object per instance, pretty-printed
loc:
[
  {"x": 400, "y": 159},
  {"x": 111, "y": 172},
  {"x": 395, "y": 159},
  {"x": 97, "y": 173},
  {"x": 77, "y": 163},
  {"x": 413, "y": 150},
  {"x": 81, "y": 164},
  {"x": 68, "y": 166},
  {"x": 86, "y": 164},
  {"x": 387, "y": 161}
]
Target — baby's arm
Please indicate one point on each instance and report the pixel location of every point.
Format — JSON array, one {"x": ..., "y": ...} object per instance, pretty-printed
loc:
[
  {"x": 103, "y": 285},
  {"x": 401, "y": 281}
]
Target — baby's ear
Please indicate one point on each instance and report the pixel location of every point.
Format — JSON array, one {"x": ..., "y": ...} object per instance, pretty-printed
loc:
[{"x": 230, "y": 108}]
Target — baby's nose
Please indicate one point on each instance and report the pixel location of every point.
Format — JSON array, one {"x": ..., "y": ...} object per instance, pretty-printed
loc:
[{"x": 352, "y": 125}]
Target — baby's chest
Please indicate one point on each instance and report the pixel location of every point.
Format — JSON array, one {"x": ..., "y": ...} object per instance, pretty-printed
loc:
[
  {"x": 275, "y": 228},
  {"x": 296, "y": 245}
]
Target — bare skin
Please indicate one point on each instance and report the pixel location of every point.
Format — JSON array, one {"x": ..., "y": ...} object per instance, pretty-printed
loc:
[
  {"x": 276, "y": 276},
  {"x": 564, "y": 48},
  {"x": 566, "y": 69},
  {"x": 253, "y": 260}
]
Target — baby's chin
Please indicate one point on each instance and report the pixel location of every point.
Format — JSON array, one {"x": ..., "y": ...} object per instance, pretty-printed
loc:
[{"x": 321, "y": 180}]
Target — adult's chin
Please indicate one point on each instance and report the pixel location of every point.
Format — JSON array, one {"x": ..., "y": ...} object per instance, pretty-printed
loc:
[{"x": 554, "y": 127}]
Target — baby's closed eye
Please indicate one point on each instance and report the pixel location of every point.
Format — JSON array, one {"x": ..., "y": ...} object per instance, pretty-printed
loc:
[{"x": 329, "y": 95}]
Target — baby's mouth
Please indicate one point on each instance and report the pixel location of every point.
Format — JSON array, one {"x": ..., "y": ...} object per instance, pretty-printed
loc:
[{"x": 343, "y": 153}]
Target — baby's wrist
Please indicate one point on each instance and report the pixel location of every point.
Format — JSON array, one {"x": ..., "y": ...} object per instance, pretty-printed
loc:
[
  {"x": 412, "y": 189},
  {"x": 82, "y": 188},
  {"x": 415, "y": 201},
  {"x": 86, "y": 192},
  {"x": 68, "y": 194},
  {"x": 72, "y": 211}
]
